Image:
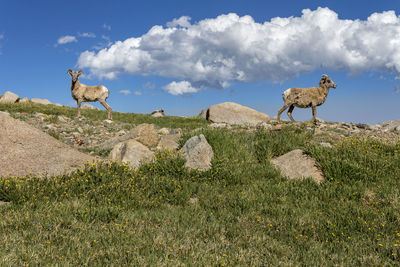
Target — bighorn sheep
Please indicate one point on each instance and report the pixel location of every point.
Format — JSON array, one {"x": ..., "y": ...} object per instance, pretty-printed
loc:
[
  {"x": 306, "y": 97},
  {"x": 84, "y": 93}
]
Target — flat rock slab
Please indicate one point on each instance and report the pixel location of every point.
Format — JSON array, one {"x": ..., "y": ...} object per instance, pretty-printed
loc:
[
  {"x": 234, "y": 113},
  {"x": 41, "y": 101},
  {"x": 24, "y": 149},
  {"x": 297, "y": 165}
]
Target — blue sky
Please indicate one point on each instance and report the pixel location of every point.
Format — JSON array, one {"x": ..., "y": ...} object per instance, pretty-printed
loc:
[{"x": 183, "y": 56}]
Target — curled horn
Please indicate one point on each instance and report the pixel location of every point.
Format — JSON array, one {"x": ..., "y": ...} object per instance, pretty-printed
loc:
[
  {"x": 69, "y": 71},
  {"x": 80, "y": 72},
  {"x": 324, "y": 76}
]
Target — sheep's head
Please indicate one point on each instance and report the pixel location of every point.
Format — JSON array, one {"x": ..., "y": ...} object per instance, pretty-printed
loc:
[
  {"x": 326, "y": 81},
  {"x": 74, "y": 74}
]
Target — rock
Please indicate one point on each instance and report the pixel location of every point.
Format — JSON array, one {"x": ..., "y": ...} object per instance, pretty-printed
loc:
[
  {"x": 63, "y": 119},
  {"x": 88, "y": 106},
  {"x": 233, "y": 113},
  {"x": 4, "y": 203},
  {"x": 108, "y": 121},
  {"x": 297, "y": 165},
  {"x": 203, "y": 114},
  {"x": 4, "y": 113},
  {"x": 355, "y": 131},
  {"x": 146, "y": 134},
  {"x": 132, "y": 152},
  {"x": 217, "y": 125},
  {"x": 24, "y": 148},
  {"x": 23, "y": 100},
  {"x": 198, "y": 153},
  {"x": 9, "y": 97},
  {"x": 158, "y": 113},
  {"x": 169, "y": 142},
  {"x": 40, "y": 101},
  {"x": 325, "y": 144},
  {"x": 121, "y": 132},
  {"x": 265, "y": 126},
  {"x": 389, "y": 125},
  {"x": 164, "y": 131},
  {"x": 58, "y": 105}
]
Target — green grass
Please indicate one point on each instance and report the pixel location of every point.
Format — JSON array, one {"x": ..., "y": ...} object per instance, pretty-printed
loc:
[
  {"x": 239, "y": 213},
  {"x": 95, "y": 115}
]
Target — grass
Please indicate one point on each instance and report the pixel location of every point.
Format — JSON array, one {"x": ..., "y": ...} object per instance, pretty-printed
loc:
[
  {"x": 239, "y": 213},
  {"x": 95, "y": 115}
]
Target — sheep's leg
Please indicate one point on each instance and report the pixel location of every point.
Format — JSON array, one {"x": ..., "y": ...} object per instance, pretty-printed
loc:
[
  {"x": 285, "y": 106},
  {"x": 79, "y": 102},
  {"x": 289, "y": 113},
  {"x": 104, "y": 103},
  {"x": 314, "y": 113}
]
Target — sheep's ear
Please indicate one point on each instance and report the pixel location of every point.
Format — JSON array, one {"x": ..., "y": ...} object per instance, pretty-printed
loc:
[
  {"x": 80, "y": 72},
  {"x": 70, "y": 71}
]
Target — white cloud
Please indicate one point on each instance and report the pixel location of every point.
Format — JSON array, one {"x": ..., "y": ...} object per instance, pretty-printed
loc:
[
  {"x": 106, "y": 27},
  {"x": 125, "y": 92},
  {"x": 87, "y": 35},
  {"x": 66, "y": 39},
  {"x": 180, "y": 88},
  {"x": 1, "y": 36},
  {"x": 220, "y": 51},
  {"x": 149, "y": 85},
  {"x": 138, "y": 93},
  {"x": 182, "y": 21}
]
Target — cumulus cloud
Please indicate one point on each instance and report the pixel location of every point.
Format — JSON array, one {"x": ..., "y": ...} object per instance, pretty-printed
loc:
[
  {"x": 217, "y": 52},
  {"x": 138, "y": 93},
  {"x": 125, "y": 92},
  {"x": 182, "y": 21},
  {"x": 87, "y": 35},
  {"x": 66, "y": 39},
  {"x": 180, "y": 88}
]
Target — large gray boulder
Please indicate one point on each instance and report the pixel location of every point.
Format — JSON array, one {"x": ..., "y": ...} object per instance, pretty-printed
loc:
[
  {"x": 198, "y": 153},
  {"x": 132, "y": 152},
  {"x": 297, "y": 165},
  {"x": 41, "y": 101},
  {"x": 24, "y": 149},
  {"x": 234, "y": 113},
  {"x": 9, "y": 97}
]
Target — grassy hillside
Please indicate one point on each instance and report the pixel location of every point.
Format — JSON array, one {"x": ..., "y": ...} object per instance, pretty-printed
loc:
[{"x": 239, "y": 213}]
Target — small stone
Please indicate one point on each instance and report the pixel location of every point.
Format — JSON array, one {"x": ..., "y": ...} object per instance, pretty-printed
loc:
[
  {"x": 163, "y": 131},
  {"x": 217, "y": 125},
  {"x": 108, "y": 121},
  {"x": 326, "y": 144}
]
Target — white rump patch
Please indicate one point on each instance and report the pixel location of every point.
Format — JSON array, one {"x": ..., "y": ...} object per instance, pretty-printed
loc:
[{"x": 286, "y": 93}]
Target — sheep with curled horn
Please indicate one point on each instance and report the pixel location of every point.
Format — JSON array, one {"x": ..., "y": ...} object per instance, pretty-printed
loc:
[
  {"x": 85, "y": 93},
  {"x": 311, "y": 97}
]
